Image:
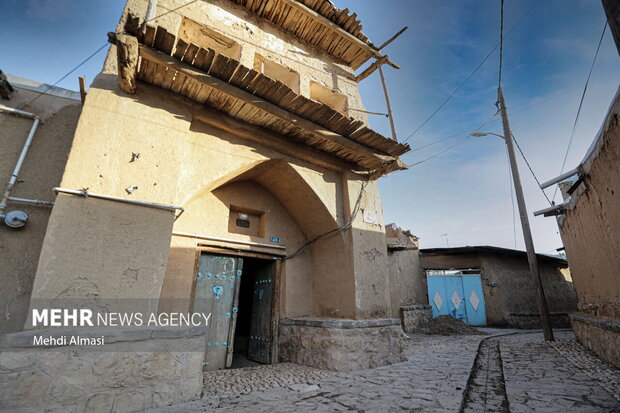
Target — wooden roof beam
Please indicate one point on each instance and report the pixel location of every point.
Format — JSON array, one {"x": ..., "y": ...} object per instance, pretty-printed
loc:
[
  {"x": 334, "y": 28},
  {"x": 282, "y": 114}
]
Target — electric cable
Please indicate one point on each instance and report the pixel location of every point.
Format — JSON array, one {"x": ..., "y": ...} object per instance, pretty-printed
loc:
[
  {"x": 512, "y": 199},
  {"x": 336, "y": 230},
  {"x": 512, "y": 114},
  {"x": 64, "y": 77},
  {"x": 470, "y": 75},
  {"x": 452, "y": 146},
  {"x": 585, "y": 88},
  {"x": 530, "y": 168}
]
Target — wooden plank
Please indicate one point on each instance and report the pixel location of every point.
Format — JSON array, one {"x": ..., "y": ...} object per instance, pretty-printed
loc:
[
  {"x": 149, "y": 35},
  {"x": 230, "y": 90}
]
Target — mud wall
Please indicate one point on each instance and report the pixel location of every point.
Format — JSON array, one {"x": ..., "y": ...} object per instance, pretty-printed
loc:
[
  {"x": 407, "y": 280},
  {"x": 515, "y": 292},
  {"x": 41, "y": 171},
  {"x": 507, "y": 284},
  {"x": 590, "y": 228}
]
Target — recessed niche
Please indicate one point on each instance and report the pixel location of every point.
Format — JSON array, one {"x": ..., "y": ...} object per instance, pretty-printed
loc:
[
  {"x": 200, "y": 35},
  {"x": 326, "y": 96},
  {"x": 277, "y": 71},
  {"x": 246, "y": 221}
]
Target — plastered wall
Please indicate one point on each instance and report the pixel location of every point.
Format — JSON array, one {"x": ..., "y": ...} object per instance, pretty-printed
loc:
[
  {"x": 41, "y": 171},
  {"x": 152, "y": 146},
  {"x": 590, "y": 228},
  {"x": 515, "y": 292}
]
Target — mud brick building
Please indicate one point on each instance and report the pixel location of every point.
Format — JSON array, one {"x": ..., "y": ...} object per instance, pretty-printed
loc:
[{"x": 222, "y": 163}]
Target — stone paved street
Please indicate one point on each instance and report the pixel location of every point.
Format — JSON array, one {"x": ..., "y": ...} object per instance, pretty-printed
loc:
[{"x": 433, "y": 379}]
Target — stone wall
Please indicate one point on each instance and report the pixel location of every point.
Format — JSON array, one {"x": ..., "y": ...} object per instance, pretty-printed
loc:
[
  {"x": 602, "y": 336},
  {"x": 413, "y": 316},
  {"x": 134, "y": 370},
  {"x": 341, "y": 345},
  {"x": 532, "y": 320}
]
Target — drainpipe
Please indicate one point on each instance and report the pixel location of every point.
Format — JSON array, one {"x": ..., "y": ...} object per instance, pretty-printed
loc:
[{"x": 21, "y": 218}]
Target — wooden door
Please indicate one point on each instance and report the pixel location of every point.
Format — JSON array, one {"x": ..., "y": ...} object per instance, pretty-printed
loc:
[
  {"x": 259, "y": 347},
  {"x": 217, "y": 293}
]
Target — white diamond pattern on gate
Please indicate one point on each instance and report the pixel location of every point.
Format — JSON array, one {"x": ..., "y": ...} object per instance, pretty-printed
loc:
[
  {"x": 438, "y": 300},
  {"x": 474, "y": 300},
  {"x": 456, "y": 300}
]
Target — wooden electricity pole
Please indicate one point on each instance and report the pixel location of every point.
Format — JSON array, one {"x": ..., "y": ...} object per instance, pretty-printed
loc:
[{"x": 525, "y": 223}]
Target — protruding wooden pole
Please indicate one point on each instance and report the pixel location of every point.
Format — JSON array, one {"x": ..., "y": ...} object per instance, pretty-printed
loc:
[{"x": 82, "y": 81}]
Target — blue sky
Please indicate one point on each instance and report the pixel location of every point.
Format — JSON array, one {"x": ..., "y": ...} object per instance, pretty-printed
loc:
[{"x": 464, "y": 192}]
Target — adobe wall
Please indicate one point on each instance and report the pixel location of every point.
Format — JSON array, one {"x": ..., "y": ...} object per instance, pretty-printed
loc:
[
  {"x": 181, "y": 160},
  {"x": 407, "y": 279},
  {"x": 41, "y": 171},
  {"x": 507, "y": 286},
  {"x": 515, "y": 292},
  {"x": 589, "y": 228},
  {"x": 589, "y": 231}
]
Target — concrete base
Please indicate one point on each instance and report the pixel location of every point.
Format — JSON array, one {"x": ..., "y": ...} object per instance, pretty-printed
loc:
[
  {"x": 600, "y": 335},
  {"x": 341, "y": 345},
  {"x": 414, "y": 316}
]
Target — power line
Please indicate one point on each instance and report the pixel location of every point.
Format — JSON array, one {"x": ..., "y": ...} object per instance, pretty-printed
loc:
[
  {"x": 65, "y": 76},
  {"x": 450, "y": 147},
  {"x": 342, "y": 228},
  {"x": 94, "y": 54},
  {"x": 170, "y": 11},
  {"x": 585, "y": 88},
  {"x": 470, "y": 75},
  {"x": 512, "y": 200},
  {"x": 530, "y": 168},
  {"x": 493, "y": 120}
]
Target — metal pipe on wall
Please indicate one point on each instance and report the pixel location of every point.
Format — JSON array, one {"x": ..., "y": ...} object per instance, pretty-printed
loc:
[
  {"x": 118, "y": 199},
  {"x": 35, "y": 124}
]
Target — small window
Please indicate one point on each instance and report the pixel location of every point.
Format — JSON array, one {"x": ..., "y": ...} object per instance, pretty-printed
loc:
[
  {"x": 246, "y": 221},
  {"x": 277, "y": 72},
  {"x": 326, "y": 96},
  {"x": 192, "y": 32}
]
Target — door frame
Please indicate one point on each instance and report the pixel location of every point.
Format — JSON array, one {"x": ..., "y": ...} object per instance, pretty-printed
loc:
[{"x": 276, "y": 287}]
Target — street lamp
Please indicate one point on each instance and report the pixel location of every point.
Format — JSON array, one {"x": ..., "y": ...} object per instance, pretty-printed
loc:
[
  {"x": 481, "y": 134},
  {"x": 525, "y": 224}
]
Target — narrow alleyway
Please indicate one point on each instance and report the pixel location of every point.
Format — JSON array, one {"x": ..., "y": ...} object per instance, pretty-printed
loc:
[{"x": 510, "y": 373}]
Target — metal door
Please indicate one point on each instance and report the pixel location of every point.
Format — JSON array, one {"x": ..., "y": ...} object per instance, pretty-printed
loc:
[
  {"x": 259, "y": 347},
  {"x": 459, "y": 296},
  {"x": 474, "y": 300},
  {"x": 217, "y": 292}
]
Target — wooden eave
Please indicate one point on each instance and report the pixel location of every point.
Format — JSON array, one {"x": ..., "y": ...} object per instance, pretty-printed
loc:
[
  {"x": 222, "y": 83},
  {"x": 319, "y": 23}
]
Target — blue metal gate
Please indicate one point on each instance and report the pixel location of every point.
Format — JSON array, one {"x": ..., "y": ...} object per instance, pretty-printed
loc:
[{"x": 457, "y": 295}]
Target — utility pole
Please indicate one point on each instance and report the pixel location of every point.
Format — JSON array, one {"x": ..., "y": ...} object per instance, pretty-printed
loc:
[{"x": 525, "y": 224}]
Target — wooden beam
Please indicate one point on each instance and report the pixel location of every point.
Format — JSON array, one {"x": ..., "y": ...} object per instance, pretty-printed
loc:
[
  {"x": 127, "y": 58},
  {"x": 297, "y": 5},
  {"x": 271, "y": 140},
  {"x": 82, "y": 81},
  {"x": 162, "y": 59},
  {"x": 370, "y": 69},
  {"x": 391, "y": 39}
]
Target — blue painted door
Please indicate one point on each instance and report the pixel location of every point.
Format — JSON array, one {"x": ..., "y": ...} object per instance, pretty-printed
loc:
[
  {"x": 474, "y": 300},
  {"x": 217, "y": 293},
  {"x": 459, "y": 296}
]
